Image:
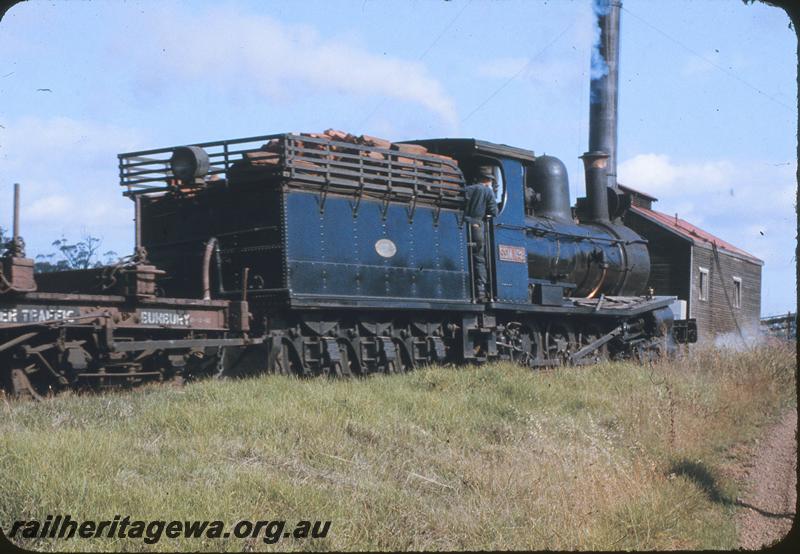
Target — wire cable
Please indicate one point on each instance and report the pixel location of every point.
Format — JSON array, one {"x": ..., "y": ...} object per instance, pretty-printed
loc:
[
  {"x": 710, "y": 62},
  {"x": 420, "y": 57},
  {"x": 518, "y": 73}
]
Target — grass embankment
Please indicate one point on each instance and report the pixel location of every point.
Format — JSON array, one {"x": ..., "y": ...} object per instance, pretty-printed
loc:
[{"x": 614, "y": 456}]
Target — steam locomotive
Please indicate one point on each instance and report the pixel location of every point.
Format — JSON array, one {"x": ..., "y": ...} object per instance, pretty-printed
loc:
[
  {"x": 328, "y": 254},
  {"x": 308, "y": 254}
]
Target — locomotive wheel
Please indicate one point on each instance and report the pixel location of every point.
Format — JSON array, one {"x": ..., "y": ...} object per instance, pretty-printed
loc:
[
  {"x": 536, "y": 353},
  {"x": 529, "y": 345},
  {"x": 559, "y": 342}
]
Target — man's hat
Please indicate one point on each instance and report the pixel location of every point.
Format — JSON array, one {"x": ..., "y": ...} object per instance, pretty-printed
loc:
[{"x": 486, "y": 172}]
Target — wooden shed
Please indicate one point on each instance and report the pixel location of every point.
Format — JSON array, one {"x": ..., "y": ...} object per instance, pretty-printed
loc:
[{"x": 720, "y": 282}]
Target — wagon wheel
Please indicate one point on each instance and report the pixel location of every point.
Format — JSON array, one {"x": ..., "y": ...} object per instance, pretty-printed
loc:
[
  {"x": 21, "y": 386},
  {"x": 559, "y": 342},
  {"x": 25, "y": 380}
]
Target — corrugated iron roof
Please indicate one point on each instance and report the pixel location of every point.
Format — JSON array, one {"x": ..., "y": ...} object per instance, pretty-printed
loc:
[{"x": 693, "y": 233}]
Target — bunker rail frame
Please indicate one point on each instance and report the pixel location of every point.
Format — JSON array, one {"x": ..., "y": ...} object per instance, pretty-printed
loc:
[{"x": 361, "y": 167}]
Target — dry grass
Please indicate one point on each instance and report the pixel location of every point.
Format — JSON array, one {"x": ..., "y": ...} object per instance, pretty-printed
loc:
[{"x": 616, "y": 456}]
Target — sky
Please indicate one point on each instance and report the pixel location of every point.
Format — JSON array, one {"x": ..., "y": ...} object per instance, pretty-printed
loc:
[{"x": 707, "y": 119}]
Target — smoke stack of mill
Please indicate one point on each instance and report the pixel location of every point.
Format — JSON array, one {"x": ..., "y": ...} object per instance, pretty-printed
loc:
[{"x": 603, "y": 98}]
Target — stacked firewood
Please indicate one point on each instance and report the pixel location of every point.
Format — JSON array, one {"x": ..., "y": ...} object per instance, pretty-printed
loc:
[
  {"x": 342, "y": 160},
  {"x": 330, "y": 141}
]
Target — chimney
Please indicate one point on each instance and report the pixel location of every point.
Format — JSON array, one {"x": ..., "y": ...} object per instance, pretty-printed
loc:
[
  {"x": 603, "y": 101},
  {"x": 596, "y": 169}
]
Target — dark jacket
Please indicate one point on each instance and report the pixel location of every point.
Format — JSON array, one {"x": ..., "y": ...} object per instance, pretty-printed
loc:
[{"x": 479, "y": 202}]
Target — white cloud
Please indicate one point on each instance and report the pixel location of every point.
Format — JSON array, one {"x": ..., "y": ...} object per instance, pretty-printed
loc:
[
  {"x": 259, "y": 54},
  {"x": 49, "y": 208},
  {"x": 68, "y": 171},
  {"x": 658, "y": 174},
  {"x": 552, "y": 68},
  {"x": 44, "y": 146},
  {"x": 749, "y": 203}
]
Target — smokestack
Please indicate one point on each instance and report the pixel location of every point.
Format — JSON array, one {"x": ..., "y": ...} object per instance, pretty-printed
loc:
[
  {"x": 600, "y": 162},
  {"x": 603, "y": 94}
]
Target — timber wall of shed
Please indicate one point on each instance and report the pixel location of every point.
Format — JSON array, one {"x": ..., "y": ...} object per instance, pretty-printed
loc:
[{"x": 718, "y": 315}]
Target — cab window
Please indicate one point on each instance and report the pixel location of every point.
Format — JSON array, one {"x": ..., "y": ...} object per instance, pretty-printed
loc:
[{"x": 499, "y": 186}]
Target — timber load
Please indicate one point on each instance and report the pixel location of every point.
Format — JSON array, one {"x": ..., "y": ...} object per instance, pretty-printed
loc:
[{"x": 332, "y": 162}]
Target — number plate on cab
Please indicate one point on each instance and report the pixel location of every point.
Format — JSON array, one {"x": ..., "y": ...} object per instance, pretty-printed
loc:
[{"x": 514, "y": 254}]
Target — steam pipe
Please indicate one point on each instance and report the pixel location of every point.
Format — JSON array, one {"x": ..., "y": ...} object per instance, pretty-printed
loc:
[
  {"x": 210, "y": 246},
  {"x": 604, "y": 89}
]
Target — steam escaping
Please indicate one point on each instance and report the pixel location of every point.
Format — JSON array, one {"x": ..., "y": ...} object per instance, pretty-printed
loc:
[
  {"x": 599, "y": 68},
  {"x": 749, "y": 338}
]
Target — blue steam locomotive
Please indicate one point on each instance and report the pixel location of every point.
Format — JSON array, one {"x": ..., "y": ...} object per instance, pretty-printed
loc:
[
  {"x": 330, "y": 254},
  {"x": 354, "y": 257}
]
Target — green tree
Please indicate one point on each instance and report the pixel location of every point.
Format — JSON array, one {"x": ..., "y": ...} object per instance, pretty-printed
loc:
[{"x": 83, "y": 254}]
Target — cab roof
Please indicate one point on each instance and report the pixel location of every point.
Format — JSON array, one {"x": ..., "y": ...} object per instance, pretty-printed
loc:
[{"x": 465, "y": 147}]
